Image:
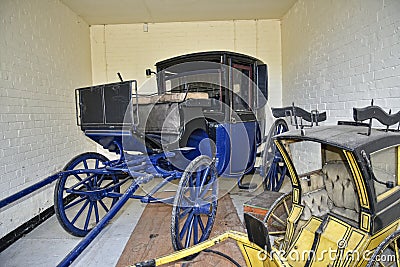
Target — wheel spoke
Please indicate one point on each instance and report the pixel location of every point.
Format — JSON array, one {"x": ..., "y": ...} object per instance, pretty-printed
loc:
[
  {"x": 99, "y": 181},
  {"x": 96, "y": 165},
  {"x": 71, "y": 204},
  {"x": 286, "y": 207},
  {"x": 205, "y": 175},
  {"x": 184, "y": 212},
  {"x": 189, "y": 233},
  {"x": 77, "y": 177},
  {"x": 201, "y": 223},
  {"x": 208, "y": 198},
  {"x": 185, "y": 225},
  {"x": 186, "y": 202},
  {"x": 198, "y": 178},
  {"x": 195, "y": 230},
  {"x": 103, "y": 205},
  {"x": 206, "y": 189},
  {"x": 96, "y": 212},
  {"x": 85, "y": 165},
  {"x": 80, "y": 212},
  {"x": 278, "y": 219},
  {"x": 88, "y": 217}
]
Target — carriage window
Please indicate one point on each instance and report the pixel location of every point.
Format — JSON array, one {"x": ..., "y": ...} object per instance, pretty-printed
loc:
[
  {"x": 242, "y": 87},
  {"x": 385, "y": 165},
  {"x": 306, "y": 156},
  {"x": 196, "y": 78}
]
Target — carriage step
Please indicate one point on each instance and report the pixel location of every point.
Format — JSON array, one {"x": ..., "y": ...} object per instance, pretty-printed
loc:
[{"x": 260, "y": 204}]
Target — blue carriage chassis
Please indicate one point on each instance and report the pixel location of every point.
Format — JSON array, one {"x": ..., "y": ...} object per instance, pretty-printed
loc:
[{"x": 142, "y": 168}]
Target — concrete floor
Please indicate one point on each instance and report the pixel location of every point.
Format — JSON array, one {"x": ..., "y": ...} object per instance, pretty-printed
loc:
[{"x": 48, "y": 244}]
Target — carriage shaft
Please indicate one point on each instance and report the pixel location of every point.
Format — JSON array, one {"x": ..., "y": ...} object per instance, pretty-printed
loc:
[
  {"x": 8, "y": 200},
  {"x": 97, "y": 229}
]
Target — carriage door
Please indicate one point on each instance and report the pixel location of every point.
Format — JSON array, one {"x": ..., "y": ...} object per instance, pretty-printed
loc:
[{"x": 242, "y": 126}]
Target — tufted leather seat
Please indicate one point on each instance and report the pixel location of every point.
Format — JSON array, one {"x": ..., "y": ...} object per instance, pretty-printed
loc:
[
  {"x": 330, "y": 191},
  {"x": 341, "y": 192},
  {"x": 314, "y": 198}
]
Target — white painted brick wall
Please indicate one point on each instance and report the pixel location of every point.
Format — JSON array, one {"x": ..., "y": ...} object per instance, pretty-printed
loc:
[
  {"x": 340, "y": 54},
  {"x": 44, "y": 56},
  {"x": 129, "y": 50}
]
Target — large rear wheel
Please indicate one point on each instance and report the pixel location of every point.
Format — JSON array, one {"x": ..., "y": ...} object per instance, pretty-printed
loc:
[
  {"x": 274, "y": 169},
  {"x": 195, "y": 203}
]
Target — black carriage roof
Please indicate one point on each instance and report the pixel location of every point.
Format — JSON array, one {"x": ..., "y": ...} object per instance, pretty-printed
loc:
[
  {"x": 213, "y": 56},
  {"x": 345, "y": 136}
]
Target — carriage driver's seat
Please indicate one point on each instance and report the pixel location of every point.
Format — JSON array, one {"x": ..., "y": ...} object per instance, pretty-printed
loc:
[{"x": 342, "y": 197}]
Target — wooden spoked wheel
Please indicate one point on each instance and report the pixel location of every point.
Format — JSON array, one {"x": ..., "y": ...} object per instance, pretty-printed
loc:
[{"x": 276, "y": 217}]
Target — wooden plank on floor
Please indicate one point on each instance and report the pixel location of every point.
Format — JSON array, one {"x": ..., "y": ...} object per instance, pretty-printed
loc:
[{"x": 151, "y": 237}]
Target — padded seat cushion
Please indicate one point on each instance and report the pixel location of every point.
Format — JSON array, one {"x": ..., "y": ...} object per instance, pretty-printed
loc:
[
  {"x": 315, "y": 203},
  {"x": 169, "y": 98},
  {"x": 336, "y": 194},
  {"x": 339, "y": 186}
]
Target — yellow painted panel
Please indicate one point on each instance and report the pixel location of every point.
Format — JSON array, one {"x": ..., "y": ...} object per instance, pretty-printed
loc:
[
  {"x": 327, "y": 248},
  {"x": 294, "y": 216},
  {"x": 293, "y": 175},
  {"x": 365, "y": 221},
  {"x": 296, "y": 193},
  {"x": 358, "y": 179},
  {"x": 387, "y": 193},
  {"x": 303, "y": 243},
  {"x": 252, "y": 255},
  {"x": 355, "y": 244},
  {"x": 381, "y": 235}
]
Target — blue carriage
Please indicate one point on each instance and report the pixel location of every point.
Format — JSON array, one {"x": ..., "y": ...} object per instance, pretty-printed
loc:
[{"x": 206, "y": 120}]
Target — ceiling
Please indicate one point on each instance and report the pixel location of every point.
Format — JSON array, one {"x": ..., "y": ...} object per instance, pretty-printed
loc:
[{"x": 140, "y": 11}]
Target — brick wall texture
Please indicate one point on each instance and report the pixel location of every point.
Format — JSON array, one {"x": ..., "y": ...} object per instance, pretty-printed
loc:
[
  {"x": 340, "y": 54},
  {"x": 44, "y": 56}
]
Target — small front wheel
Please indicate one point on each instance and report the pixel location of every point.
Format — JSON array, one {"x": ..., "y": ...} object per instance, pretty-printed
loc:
[
  {"x": 276, "y": 217},
  {"x": 195, "y": 203}
]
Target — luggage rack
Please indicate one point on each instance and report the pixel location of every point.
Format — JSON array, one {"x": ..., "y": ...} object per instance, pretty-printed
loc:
[{"x": 374, "y": 112}]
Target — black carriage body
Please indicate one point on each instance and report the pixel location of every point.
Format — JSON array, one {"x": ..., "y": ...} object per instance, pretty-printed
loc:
[
  {"x": 181, "y": 117},
  {"x": 377, "y": 211}
]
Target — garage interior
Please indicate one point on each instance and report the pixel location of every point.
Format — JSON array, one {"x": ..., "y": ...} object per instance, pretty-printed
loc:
[{"x": 325, "y": 55}]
